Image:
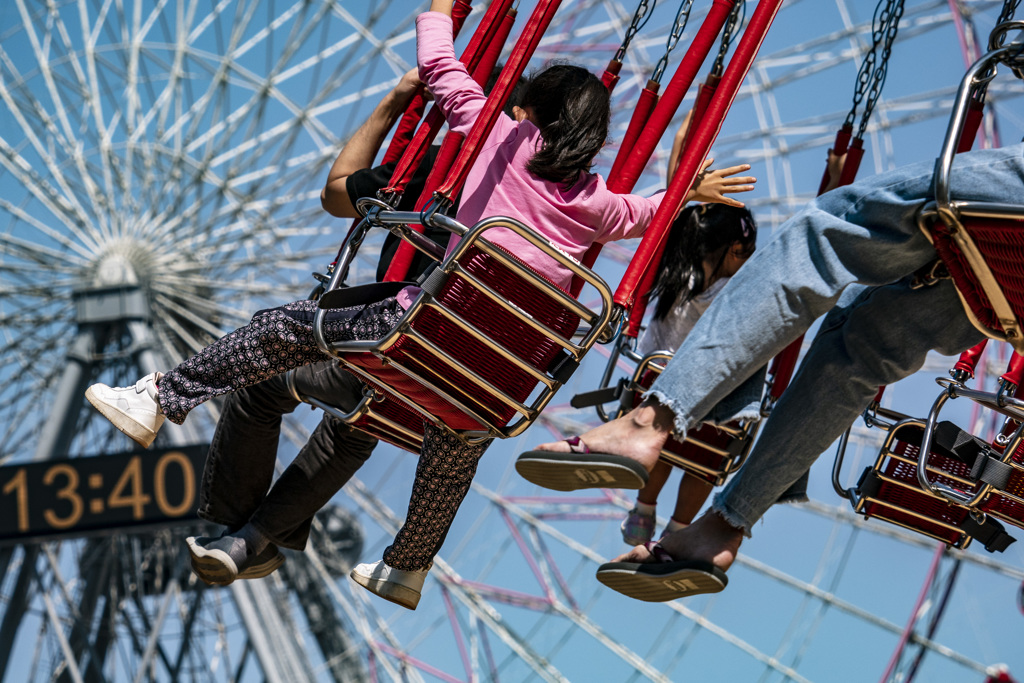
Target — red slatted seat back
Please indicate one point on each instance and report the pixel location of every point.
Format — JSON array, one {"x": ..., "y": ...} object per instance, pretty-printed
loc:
[
  {"x": 1001, "y": 243},
  {"x": 899, "y": 498},
  {"x": 461, "y": 296}
]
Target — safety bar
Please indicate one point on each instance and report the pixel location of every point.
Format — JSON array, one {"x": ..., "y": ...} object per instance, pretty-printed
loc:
[{"x": 1006, "y": 405}]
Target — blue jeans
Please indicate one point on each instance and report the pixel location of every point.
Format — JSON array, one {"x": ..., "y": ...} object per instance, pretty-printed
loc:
[{"x": 864, "y": 234}]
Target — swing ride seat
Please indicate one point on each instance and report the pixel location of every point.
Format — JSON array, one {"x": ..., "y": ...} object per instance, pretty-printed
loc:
[
  {"x": 981, "y": 243},
  {"x": 998, "y": 467},
  {"x": 481, "y": 350},
  {"x": 933, "y": 477},
  {"x": 891, "y": 491}
]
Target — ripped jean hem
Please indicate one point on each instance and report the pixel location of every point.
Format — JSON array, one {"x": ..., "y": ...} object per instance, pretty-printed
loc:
[
  {"x": 792, "y": 500},
  {"x": 680, "y": 423},
  {"x": 732, "y": 518}
]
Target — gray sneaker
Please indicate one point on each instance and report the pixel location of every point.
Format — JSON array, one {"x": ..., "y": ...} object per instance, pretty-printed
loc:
[{"x": 220, "y": 561}]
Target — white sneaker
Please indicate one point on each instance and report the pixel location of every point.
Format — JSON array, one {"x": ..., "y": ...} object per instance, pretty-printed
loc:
[
  {"x": 134, "y": 410},
  {"x": 395, "y": 585}
]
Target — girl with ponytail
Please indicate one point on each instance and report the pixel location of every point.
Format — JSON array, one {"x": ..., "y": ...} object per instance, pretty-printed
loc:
[{"x": 706, "y": 246}]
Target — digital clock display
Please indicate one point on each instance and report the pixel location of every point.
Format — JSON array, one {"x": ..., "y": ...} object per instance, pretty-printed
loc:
[{"x": 83, "y": 495}]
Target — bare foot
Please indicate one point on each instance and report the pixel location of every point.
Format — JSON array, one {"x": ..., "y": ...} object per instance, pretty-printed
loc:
[
  {"x": 638, "y": 435},
  {"x": 710, "y": 539}
]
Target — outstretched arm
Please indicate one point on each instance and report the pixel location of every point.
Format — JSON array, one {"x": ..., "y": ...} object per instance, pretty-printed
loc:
[
  {"x": 713, "y": 185},
  {"x": 709, "y": 185},
  {"x": 362, "y": 147}
]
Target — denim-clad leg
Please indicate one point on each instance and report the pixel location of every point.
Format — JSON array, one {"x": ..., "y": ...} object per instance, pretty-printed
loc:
[
  {"x": 882, "y": 337},
  {"x": 240, "y": 464},
  {"x": 864, "y": 233}
]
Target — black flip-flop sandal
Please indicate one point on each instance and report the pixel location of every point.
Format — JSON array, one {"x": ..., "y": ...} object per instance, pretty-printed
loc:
[
  {"x": 664, "y": 579},
  {"x": 580, "y": 469}
]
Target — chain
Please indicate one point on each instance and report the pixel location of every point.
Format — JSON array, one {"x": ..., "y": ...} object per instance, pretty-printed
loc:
[
  {"x": 891, "y": 21},
  {"x": 736, "y": 16},
  {"x": 998, "y": 37},
  {"x": 1009, "y": 9},
  {"x": 883, "y": 28},
  {"x": 682, "y": 16},
  {"x": 640, "y": 18}
]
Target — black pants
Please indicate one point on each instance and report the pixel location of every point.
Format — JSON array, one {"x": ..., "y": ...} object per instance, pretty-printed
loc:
[{"x": 240, "y": 465}]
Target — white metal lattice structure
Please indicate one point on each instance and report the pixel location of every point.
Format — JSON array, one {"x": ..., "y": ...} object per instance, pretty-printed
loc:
[{"x": 183, "y": 144}]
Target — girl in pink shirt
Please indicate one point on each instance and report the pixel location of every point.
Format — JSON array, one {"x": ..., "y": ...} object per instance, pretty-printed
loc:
[{"x": 535, "y": 169}]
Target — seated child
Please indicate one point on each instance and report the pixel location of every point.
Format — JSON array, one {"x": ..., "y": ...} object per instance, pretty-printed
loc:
[{"x": 707, "y": 245}]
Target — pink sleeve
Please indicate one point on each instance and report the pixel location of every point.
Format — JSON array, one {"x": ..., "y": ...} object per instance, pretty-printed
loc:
[
  {"x": 628, "y": 215},
  {"x": 455, "y": 92}
]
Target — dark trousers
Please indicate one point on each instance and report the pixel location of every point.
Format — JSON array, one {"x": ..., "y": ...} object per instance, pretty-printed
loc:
[{"x": 240, "y": 465}]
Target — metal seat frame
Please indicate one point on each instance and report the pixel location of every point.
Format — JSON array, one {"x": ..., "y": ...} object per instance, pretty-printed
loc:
[
  {"x": 893, "y": 423},
  {"x": 367, "y": 414},
  {"x": 947, "y": 218},
  {"x": 973, "y": 497}
]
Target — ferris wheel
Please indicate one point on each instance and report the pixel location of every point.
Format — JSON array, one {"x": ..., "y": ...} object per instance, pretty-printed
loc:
[{"x": 173, "y": 153}]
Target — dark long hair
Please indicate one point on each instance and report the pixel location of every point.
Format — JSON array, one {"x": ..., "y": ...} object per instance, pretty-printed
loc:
[
  {"x": 572, "y": 109},
  {"x": 699, "y": 233}
]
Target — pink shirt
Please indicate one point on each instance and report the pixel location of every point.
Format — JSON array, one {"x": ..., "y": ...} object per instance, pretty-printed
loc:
[{"x": 498, "y": 184}]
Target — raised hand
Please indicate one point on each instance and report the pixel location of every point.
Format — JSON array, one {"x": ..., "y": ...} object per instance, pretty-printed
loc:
[{"x": 713, "y": 185}]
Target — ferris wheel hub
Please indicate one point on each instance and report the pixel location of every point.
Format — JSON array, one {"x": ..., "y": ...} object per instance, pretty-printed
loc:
[{"x": 121, "y": 262}]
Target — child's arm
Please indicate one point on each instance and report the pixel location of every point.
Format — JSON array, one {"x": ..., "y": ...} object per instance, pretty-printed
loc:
[
  {"x": 712, "y": 185},
  {"x": 455, "y": 92},
  {"x": 709, "y": 186},
  {"x": 442, "y": 6},
  {"x": 361, "y": 148}
]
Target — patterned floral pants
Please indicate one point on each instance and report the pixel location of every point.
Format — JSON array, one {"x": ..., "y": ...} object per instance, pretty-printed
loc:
[
  {"x": 280, "y": 339},
  {"x": 445, "y": 470},
  {"x": 275, "y": 341}
]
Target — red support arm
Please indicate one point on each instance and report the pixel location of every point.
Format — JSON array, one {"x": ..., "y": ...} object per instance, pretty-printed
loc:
[
  {"x": 643, "y": 267},
  {"x": 969, "y": 359},
  {"x": 703, "y": 41},
  {"x": 641, "y": 114},
  {"x": 609, "y": 80},
  {"x": 524, "y": 48},
  {"x": 852, "y": 164},
  {"x": 975, "y": 114},
  {"x": 1015, "y": 370},
  {"x": 632, "y": 159},
  {"x": 704, "y": 94},
  {"x": 610, "y": 77},
  {"x": 471, "y": 57}
]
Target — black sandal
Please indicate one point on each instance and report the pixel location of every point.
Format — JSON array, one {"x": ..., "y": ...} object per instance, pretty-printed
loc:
[{"x": 580, "y": 469}]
